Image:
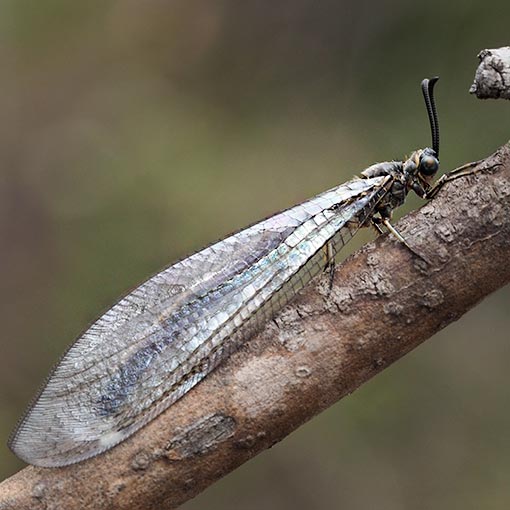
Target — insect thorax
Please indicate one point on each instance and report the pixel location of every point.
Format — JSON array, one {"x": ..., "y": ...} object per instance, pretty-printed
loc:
[
  {"x": 405, "y": 175},
  {"x": 398, "y": 191}
]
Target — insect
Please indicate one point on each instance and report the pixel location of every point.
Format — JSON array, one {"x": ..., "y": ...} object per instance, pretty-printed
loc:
[{"x": 164, "y": 337}]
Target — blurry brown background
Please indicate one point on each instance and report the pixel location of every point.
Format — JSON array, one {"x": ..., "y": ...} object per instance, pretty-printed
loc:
[{"x": 132, "y": 133}]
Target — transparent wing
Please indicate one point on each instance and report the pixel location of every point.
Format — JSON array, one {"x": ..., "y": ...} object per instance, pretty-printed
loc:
[{"x": 160, "y": 340}]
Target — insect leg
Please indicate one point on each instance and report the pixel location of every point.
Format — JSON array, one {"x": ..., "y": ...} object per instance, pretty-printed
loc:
[
  {"x": 330, "y": 262},
  {"x": 375, "y": 224},
  {"x": 467, "y": 169},
  {"x": 399, "y": 236}
]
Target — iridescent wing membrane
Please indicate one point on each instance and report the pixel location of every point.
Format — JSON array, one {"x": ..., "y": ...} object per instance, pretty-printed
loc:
[{"x": 160, "y": 340}]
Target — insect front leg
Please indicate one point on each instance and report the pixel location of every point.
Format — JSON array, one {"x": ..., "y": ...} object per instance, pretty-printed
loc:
[{"x": 467, "y": 169}]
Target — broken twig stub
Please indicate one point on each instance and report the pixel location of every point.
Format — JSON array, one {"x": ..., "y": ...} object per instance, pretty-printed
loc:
[{"x": 492, "y": 78}]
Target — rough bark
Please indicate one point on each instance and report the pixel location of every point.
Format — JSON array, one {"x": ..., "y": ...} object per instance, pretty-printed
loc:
[
  {"x": 492, "y": 77},
  {"x": 384, "y": 302}
]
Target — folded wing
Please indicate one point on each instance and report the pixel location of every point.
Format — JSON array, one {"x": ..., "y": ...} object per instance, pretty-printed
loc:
[{"x": 160, "y": 340}]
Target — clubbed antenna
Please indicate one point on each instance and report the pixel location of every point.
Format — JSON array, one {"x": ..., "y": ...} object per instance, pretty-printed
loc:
[{"x": 427, "y": 87}]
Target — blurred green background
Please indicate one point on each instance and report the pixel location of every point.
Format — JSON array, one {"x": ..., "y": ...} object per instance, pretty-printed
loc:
[{"x": 133, "y": 133}]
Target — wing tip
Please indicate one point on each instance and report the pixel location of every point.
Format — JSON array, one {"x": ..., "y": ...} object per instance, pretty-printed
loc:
[{"x": 46, "y": 454}]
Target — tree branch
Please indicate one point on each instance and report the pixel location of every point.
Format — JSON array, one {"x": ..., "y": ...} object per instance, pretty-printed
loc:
[
  {"x": 492, "y": 77},
  {"x": 384, "y": 302}
]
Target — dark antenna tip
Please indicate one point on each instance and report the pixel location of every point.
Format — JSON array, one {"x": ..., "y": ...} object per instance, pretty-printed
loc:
[{"x": 427, "y": 87}]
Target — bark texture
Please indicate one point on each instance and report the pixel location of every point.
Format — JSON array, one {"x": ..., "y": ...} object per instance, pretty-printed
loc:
[
  {"x": 320, "y": 348},
  {"x": 492, "y": 77}
]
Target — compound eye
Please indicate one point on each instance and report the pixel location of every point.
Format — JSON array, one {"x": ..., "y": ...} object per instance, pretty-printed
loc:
[{"x": 429, "y": 165}]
